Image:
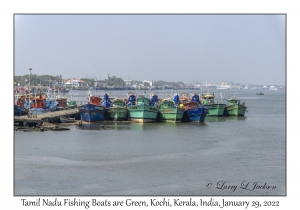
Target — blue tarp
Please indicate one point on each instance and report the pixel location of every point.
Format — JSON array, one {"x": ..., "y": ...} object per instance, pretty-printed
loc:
[
  {"x": 131, "y": 100},
  {"x": 154, "y": 99},
  {"x": 195, "y": 98},
  {"x": 106, "y": 101},
  {"x": 176, "y": 99}
]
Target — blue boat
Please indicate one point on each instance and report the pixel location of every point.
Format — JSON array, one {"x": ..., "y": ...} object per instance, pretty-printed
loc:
[
  {"x": 51, "y": 104},
  {"x": 19, "y": 111},
  {"x": 92, "y": 111},
  {"x": 36, "y": 105},
  {"x": 193, "y": 110}
]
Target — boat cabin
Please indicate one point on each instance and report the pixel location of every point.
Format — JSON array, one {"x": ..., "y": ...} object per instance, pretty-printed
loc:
[
  {"x": 190, "y": 105},
  {"x": 143, "y": 101},
  {"x": 166, "y": 104},
  {"x": 39, "y": 102},
  {"x": 95, "y": 100},
  {"x": 62, "y": 102},
  {"x": 118, "y": 103},
  {"x": 208, "y": 99}
]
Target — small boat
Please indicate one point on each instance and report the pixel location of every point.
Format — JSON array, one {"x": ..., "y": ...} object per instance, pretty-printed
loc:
[
  {"x": 169, "y": 111},
  {"x": 92, "y": 111},
  {"x": 19, "y": 111},
  {"x": 51, "y": 104},
  {"x": 71, "y": 104},
  {"x": 260, "y": 93},
  {"x": 234, "y": 107},
  {"x": 36, "y": 105},
  {"x": 141, "y": 110},
  {"x": 57, "y": 128},
  {"x": 214, "y": 109},
  {"x": 67, "y": 119}
]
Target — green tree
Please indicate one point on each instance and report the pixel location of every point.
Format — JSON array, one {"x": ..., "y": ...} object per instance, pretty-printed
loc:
[{"x": 114, "y": 81}]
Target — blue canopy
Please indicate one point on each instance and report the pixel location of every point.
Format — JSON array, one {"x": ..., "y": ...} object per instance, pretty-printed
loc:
[
  {"x": 195, "y": 98},
  {"x": 106, "y": 101},
  {"x": 131, "y": 100},
  {"x": 154, "y": 99},
  {"x": 176, "y": 99}
]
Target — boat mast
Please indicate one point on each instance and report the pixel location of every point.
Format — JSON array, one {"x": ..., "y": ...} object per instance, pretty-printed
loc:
[{"x": 35, "y": 98}]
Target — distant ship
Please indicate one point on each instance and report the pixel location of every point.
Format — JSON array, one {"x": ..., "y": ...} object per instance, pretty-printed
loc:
[
  {"x": 224, "y": 87},
  {"x": 273, "y": 88}
]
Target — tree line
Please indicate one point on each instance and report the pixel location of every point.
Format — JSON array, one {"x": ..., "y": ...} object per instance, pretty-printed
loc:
[{"x": 49, "y": 80}]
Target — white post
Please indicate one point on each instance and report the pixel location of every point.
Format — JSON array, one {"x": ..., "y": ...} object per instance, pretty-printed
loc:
[{"x": 29, "y": 79}]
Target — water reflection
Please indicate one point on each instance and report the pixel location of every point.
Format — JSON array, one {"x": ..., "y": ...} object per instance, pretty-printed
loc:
[
  {"x": 214, "y": 119},
  {"x": 223, "y": 119},
  {"x": 127, "y": 125},
  {"x": 105, "y": 126},
  {"x": 236, "y": 118}
]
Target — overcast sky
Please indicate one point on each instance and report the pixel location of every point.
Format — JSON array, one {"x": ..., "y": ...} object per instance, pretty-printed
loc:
[{"x": 248, "y": 49}]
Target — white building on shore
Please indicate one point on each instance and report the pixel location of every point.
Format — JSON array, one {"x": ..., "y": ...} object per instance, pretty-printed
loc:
[
  {"x": 148, "y": 81},
  {"x": 75, "y": 82}
]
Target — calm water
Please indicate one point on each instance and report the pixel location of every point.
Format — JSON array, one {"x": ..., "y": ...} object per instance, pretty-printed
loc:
[{"x": 213, "y": 158}]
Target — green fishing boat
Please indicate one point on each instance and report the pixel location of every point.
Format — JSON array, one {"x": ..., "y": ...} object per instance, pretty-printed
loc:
[
  {"x": 214, "y": 109},
  {"x": 142, "y": 111},
  {"x": 234, "y": 107},
  {"x": 118, "y": 111},
  {"x": 71, "y": 104},
  {"x": 168, "y": 112}
]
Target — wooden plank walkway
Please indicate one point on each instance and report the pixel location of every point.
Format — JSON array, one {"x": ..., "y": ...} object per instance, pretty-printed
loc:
[{"x": 44, "y": 117}]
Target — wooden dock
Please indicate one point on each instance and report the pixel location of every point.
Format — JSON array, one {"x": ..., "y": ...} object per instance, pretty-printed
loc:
[{"x": 37, "y": 120}]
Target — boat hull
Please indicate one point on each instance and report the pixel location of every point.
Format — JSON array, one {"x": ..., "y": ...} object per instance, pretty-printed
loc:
[
  {"x": 215, "y": 109},
  {"x": 91, "y": 113},
  {"x": 235, "y": 110},
  {"x": 195, "y": 114},
  {"x": 142, "y": 113},
  {"x": 20, "y": 111},
  {"x": 67, "y": 120},
  {"x": 170, "y": 114},
  {"x": 116, "y": 114}
]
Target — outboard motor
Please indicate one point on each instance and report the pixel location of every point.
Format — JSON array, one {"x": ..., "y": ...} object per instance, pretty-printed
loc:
[{"x": 106, "y": 101}]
